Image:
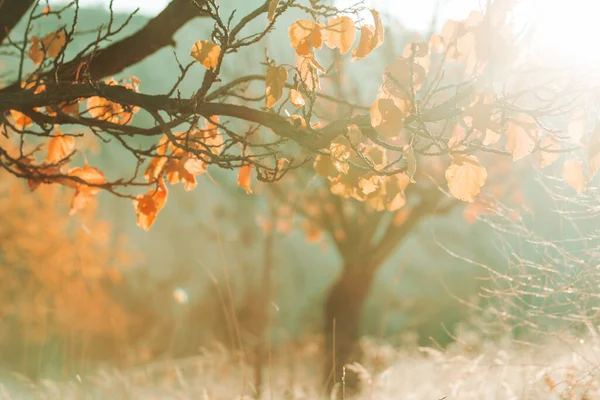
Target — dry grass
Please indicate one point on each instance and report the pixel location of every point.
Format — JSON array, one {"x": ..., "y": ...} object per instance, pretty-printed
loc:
[{"x": 471, "y": 368}]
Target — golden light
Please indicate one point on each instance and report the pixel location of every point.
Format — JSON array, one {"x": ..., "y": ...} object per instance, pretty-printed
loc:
[{"x": 566, "y": 32}]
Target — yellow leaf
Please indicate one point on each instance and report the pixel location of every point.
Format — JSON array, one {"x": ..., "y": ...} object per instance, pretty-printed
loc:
[
  {"x": 521, "y": 135},
  {"x": 207, "y": 53},
  {"x": 272, "y": 7},
  {"x": 340, "y": 33},
  {"x": 573, "y": 174},
  {"x": 465, "y": 177},
  {"x": 244, "y": 178},
  {"x": 296, "y": 98},
  {"x": 275, "y": 80},
  {"x": 59, "y": 147}
]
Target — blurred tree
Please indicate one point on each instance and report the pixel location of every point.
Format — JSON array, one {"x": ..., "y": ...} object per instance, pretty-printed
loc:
[{"x": 55, "y": 277}]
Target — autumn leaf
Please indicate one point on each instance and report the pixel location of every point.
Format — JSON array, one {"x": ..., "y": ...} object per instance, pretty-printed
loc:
[
  {"x": 521, "y": 134},
  {"x": 104, "y": 109},
  {"x": 365, "y": 43},
  {"x": 155, "y": 168},
  {"x": 340, "y": 34},
  {"x": 379, "y": 32},
  {"x": 49, "y": 46},
  {"x": 296, "y": 98},
  {"x": 244, "y": 178},
  {"x": 59, "y": 147},
  {"x": 370, "y": 184},
  {"x": 308, "y": 73},
  {"x": 387, "y": 118},
  {"x": 275, "y": 81},
  {"x": 148, "y": 205},
  {"x": 401, "y": 77},
  {"x": 183, "y": 170},
  {"x": 465, "y": 177},
  {"x": 305, "y": 36},
  {"x": 371, "y": 37},
  {"x": 207, "y": 53},
  {"x": 21, "y": 120},
  {"x": 271, "y": 10},
  {"x": 83, "y": 192},
  {"x": 572, "y": 174}
]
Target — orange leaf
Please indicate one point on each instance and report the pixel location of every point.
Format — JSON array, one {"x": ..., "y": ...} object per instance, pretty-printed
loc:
[
  {"x": 386, "y": 118},
  {"x": 465, "y": 177},
  {"x": 371, "y": 37},
  {"x": 275, "y": 81},
  {"x": 340, "y": 33},
  {"x": 83, "y": 192},
  {"x": 365, "y": 44},
  {"x": 21, "y": 120},
  {"x": 59, "y": 147},
  {"x": 305, "y": 36},
  {"x": 379, "y": 32},
  {"x": 35, "y": 53},
  {"x": 155, "y": 168},
  {"x": 244, "y": 178},
  {"x": 573, "y": 174},
  {"x": 53, "y": 43},
  {"x": 207, "y": 53},
  {"x": 49, "y": 46},
  {"x": 148, "y": 205}
]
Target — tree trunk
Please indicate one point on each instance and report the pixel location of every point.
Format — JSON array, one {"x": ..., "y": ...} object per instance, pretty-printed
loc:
[{"x": 342, "y": 322}]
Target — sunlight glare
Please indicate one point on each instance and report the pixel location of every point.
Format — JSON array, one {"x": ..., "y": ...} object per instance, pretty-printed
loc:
[{"x": 566, "y": 31}]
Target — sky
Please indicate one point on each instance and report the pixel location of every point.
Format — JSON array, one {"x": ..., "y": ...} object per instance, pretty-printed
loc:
[
  {"x": 566, "y": 29},
  {"x": 414, "y": 14}
]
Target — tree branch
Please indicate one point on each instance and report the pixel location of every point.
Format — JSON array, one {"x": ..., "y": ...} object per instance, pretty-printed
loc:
[
  {"x": 155, "y": 35},
  {"x": 11, "y": 12}
]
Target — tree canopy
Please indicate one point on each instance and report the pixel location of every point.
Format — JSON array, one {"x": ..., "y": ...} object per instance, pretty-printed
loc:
[{"x": 457, "y": 95}]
